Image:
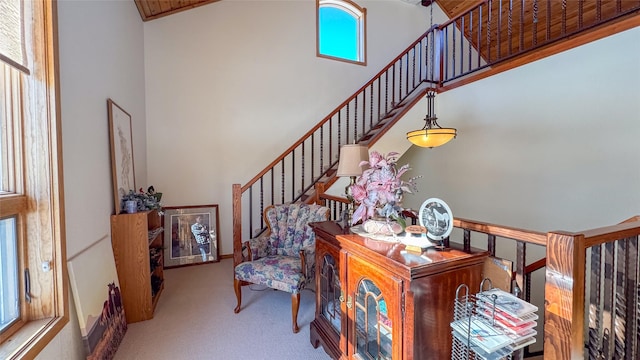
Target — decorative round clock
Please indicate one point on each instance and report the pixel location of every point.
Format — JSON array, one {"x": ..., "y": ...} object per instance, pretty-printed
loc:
[{"x": 436, "y": 216}]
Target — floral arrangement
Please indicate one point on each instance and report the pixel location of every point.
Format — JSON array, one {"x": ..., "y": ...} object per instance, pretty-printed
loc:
[
  {"x": 379, "y": 190},
  {"x": 145, "y": 201}
]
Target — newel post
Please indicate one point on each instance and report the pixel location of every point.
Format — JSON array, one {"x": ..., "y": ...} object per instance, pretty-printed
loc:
[
  {"x": 564, "y": 296},
  {"x": 320, "y": 189},
  {"x": 237, "y": 224}
]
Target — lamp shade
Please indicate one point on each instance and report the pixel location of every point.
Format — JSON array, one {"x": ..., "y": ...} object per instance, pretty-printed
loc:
[
  {"x": 350, "y": 158},
  {"x": 431, "y": 137}
]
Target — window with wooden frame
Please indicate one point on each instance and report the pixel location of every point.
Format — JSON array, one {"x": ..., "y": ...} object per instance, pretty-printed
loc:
[
  {"x": 34, "y": 286},
  {"x": 341, "y": 31}
]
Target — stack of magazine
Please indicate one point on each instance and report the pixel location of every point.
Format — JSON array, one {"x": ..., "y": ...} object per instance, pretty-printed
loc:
[{"x": 501, "y": 324}]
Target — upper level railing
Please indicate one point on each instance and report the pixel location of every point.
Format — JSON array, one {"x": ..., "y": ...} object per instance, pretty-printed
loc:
[
  {"x": 479, "y": 42},
  {"x": 496, "y": 31}
]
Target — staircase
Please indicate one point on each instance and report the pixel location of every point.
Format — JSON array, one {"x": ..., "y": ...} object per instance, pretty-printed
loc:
[{"x": 487, "y": 37}]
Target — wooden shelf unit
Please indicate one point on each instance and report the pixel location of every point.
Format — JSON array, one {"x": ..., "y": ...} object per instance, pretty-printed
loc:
[
  {"x": 136, "y": 240},
  {"x": 413, "y": 295}
]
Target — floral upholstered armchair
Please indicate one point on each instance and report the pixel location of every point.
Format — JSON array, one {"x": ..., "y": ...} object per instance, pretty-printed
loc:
[{"x": 283, "y": 258}]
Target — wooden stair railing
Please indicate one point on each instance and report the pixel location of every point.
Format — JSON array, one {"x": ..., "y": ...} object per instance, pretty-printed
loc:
[
  {"x": 364, "y": 117},
  {"x": 497, "y": 35},
  {"x": 491, "y": 37}
]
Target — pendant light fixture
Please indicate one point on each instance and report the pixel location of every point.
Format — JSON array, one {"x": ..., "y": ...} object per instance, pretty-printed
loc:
[{"x": 431, "y": 135}]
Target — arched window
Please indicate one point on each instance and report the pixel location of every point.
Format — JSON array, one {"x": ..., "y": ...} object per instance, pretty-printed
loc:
[{"x": 341, "y": 30}]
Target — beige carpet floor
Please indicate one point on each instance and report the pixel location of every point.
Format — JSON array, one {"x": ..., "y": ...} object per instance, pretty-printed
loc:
[{"x": 194, "y": 319}]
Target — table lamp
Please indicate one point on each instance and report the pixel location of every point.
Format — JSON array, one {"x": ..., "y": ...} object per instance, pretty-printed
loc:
[{"x": 351, "y": 156}]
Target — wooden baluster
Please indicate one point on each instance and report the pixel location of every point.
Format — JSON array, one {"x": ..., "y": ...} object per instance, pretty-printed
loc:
[
  {"x": 521, "y": 259},
  {"x": 467, "y": 240},
  {"x": 632, "y": 319},
  {"x": 491, "y": 244}
]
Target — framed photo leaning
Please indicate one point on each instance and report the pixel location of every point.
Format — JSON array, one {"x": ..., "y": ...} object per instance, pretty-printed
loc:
[
  {"x": 190, "y": 235},
  {"x": 121, "y": 141}
]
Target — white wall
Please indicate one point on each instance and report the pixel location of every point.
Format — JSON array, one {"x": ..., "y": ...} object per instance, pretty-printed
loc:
[
  {"x": 101, "y": 57},
  {"x": 232, "y": 84},
  {"x": 216, "y": 72},
  {"x": 552, "y": 145}
]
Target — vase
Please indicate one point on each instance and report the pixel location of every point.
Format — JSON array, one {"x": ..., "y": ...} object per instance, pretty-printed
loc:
[
  {"x": 131, "y": 206},
  {"x": 382, "y": 226}
]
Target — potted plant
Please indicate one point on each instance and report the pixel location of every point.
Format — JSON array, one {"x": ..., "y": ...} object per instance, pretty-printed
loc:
[
  {"x": 141, "y": 201},
  {"x": 379, "y": 192}
]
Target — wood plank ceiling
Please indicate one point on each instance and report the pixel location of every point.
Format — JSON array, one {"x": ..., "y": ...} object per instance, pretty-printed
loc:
[
  {"x": 553, "y": 19},
  {"x": 549, "y": 22},
  {"x": 153, "y": 9}
]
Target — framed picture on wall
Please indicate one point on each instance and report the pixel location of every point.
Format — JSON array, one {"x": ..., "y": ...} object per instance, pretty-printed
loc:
[
  {"x": 190, "y": 235},
  {"x": 121, "y": 141}
]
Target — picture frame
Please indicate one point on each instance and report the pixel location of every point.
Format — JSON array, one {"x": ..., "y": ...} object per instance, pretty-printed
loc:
[
  {"x": 435, "y": 215},
  {"x": 93, "y": 278},
  {"x": 191, "y": 235},
  {"x": 121, "y": 143}
]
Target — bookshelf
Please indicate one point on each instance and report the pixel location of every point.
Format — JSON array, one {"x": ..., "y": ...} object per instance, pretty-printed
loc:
[{"x": 137, "y": 248}]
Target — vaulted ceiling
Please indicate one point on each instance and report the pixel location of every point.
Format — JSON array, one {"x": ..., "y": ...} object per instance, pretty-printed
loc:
[
  {"x": 537, "y": 22},
  {"x": 153, "y": 9}
]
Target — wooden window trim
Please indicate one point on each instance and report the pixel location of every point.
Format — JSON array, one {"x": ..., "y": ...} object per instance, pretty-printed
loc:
[
  {"x": 39, "y": 200},
  {"x": 356, "y": 11}
]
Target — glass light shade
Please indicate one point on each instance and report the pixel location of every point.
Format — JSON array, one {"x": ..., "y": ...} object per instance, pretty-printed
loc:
[
  {"x": 350, "y": 158},
  {"x": 431, "y": 137}
]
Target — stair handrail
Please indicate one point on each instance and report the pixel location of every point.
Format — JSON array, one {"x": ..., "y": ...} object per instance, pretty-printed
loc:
[
  {"x": 443, "y": 79},
  {"x": 335, "y": 111},
  {"x": 407, "y": 72}
]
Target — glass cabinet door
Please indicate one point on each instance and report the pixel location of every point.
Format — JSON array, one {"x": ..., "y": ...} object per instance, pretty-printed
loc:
[
  {"x": 372, "y": 324},
  {"x": 330, "y": 292},
  {"x": 373, "y": 309}
]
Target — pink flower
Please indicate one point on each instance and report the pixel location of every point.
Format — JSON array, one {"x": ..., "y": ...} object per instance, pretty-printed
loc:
[{"x": 379, "y": 189}]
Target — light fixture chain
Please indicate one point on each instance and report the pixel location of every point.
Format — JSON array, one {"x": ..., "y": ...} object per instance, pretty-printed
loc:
[{"x": 433, "y": 41}]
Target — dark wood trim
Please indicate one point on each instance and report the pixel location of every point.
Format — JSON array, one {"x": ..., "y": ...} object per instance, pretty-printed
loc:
[
  {"x": 527, "y": 236},
  {"x": 552, "y": 49}
]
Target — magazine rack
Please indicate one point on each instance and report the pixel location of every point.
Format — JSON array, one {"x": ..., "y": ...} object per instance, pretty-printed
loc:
[{"x": 491, "y": 324}]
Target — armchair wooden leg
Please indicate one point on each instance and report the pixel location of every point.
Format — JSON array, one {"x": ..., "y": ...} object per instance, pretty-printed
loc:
[
  {"x": 295, "y": 305},
  {"x": 238, "y": 289}
]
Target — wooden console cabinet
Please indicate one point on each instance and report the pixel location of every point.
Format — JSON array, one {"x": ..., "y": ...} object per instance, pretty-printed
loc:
[
  {"x": 136, "y": 240},
  {"x": 374, "y": 300}
]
